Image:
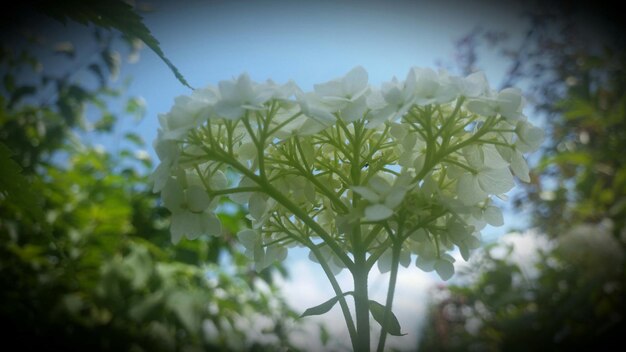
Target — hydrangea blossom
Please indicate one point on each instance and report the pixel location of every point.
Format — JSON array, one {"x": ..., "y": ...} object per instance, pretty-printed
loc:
[
  {"x": 359, "y": 175},
  {"x": 347, "y": 170}
]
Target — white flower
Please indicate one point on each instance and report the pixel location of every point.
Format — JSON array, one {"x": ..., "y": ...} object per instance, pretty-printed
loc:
[
  {"x": 430, "y": 89},
  {"x": 517, "y": 162},
  {"x": 520, "y": 166},
  {"x": 484, "y": 155},
  {"x": 385, "y": 260},
  {"x": 382, "y": 196},
  {"x": 475, "y": 187},
  {"x": 335, "y": 264},
  {"x": 471, "y": 86},
  {"x": 263, "y": 255},
  {"x": 189, "y": 204},
  {"x": 312, "y": 106},
  {"x": 493, "y": 215},
  {"x": 429, "y": 261},
  {"x": 397, "y": 99},
  {"x": 492, "y": 174},
  {"x": 529, "y": 137},
  {"x": 239, "y": 96},
  {"x": 413, "y": 152},
  {"x": 385, "y": 170},
  {"x": 345, "y": 89},
  {"x": 168, "y": 152},
  {"x": 281, "y": 92},
  {"x": 463, "y": 238},
  {"x": 242, "y": 197},
  {"x": 508, "y": 103},
  {"x": 188, "y": 112},
  {"x": 346, "y": 95}
]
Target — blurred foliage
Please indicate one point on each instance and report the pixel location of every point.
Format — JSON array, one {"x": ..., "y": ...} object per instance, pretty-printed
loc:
[
  {"x": 108, "y": 14},
  {"x": 574, "y": 297},
  {"x": 86, "y": 261}
]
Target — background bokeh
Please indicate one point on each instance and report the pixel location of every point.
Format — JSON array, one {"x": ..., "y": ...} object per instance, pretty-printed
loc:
[{"x": 86, "y": 259}]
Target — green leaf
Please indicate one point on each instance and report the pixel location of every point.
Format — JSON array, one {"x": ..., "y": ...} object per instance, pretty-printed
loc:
[
  {"x": 378, "y": 312},
  {"x": 324, "y": 307},
  {"x": 108, "y": 14},
  {"x": 135, "y": 139},
  {"x": 105, "y": 123},
  {"x": 324, "y": 335},
  {"x": 16, "y": 192},
  {"x": 9, "y": 82},
  {"x": 136, "y": 107},
  {"x": 20, "y": 93},
  {"x": 112, "y": 60},
  {"x": 97, "y": 71},
  {"x": 185, "y": 305}
]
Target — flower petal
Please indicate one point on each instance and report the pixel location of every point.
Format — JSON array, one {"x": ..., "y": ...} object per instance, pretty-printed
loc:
[
  {"x": 257, "y": 205},
  {"x": 520, "y": 167},
  {"x": 384, "y": 262},
  {"x": 197, "y": 199},
  {"x": 377, "y": 212},
  {"x": 444, "y": 269},
  {"x": 395, "y": 196},
  {"x": 425, "y": 262},
  {"x": 355, "y": 81},
  {"x": 248, "y": 238},
  {"x": 366, "y": 193},
  {"x": 493, "y": 216},
  {"x": 468, "y": 189},
  {"x": 496, "y": 181}
]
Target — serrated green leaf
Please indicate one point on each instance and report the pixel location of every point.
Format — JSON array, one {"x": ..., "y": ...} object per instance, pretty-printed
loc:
[
  {"x": 108, "y": 14},
  {"x": 378, "y": 312}
]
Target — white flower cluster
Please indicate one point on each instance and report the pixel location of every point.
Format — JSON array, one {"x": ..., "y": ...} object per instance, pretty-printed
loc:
[{"x": 346, "y": 167}]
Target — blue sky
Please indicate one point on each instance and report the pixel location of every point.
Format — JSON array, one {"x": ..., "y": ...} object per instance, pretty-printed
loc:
[
  {"x": 307, "y": 41},
  {"x": 312, "y": 42}
]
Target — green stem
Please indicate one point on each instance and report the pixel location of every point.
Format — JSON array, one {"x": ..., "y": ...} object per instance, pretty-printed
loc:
[
  {"x": 305, "y": 171},
  {"x": 372, "y": 235},
  {"x": 288, "y": 204},
  {"x": 304, "y": 239},
  {"x": 452, "y": 118},
  {"x": 395, "y": 263},
  {"x": 335, "y": 285},
  {"x": 227, "y": 191},
  {"x": 283, "y": 124},
  {"x": 361, "y": 303},
  {"x": 324, "y": 190}
]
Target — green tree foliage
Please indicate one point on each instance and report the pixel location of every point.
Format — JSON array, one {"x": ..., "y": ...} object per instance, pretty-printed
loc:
[
  {"x": 86, "y": 262},
  {"x": 573, "y": 300}
]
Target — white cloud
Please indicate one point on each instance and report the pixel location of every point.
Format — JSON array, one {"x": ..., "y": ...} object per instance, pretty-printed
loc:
[{"x": 526, "y": 247}]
